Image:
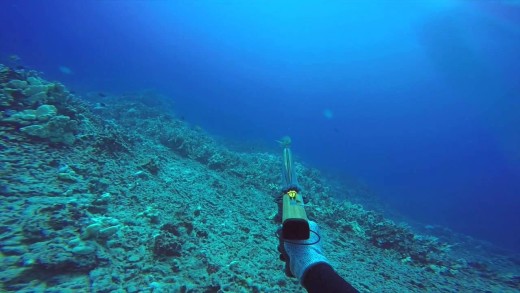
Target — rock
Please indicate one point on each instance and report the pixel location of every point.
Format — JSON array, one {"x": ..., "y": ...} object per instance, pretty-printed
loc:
[
  {"x": 166, "y": 244},
  {"x": 58, "y": 258},
  {"x": 132, "y": 288},
  {"x": 14, "y": 250},
  {"x": 38, "y": 97},
  {"x": 84, "y": 249},
  {"x": 10, "y": 274},
  {"x": 134, "y": 258},
  {"x": 6, "y": 100},
  {"x": 69, "y": 176},
  {"x": 100, "y": 203},
  {"x": 109, "y": 231},
  {"x": 17, "y": 84},
  {"x": 58, "y": 129},
  {"x": 151, "y": 213},
  {"x": 34, "y": 90},
  {"x": 25, "y": 117},
  {"x": 34, "y": 81},
  {"x": 36, "y": 229},
  {"x": 101, "y": 279},
  {"x": 91, "y": 231},
  {"x": 46, "y": 112}
]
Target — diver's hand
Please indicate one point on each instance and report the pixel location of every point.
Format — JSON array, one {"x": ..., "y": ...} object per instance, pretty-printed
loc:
[{"x": 300, "y": 255}]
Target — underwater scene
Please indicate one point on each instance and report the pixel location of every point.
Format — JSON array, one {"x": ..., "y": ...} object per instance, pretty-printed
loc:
[{"x": 260, "y": 146}]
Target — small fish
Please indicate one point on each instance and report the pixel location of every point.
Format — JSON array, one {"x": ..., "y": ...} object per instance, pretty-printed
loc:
[
  {"x": 14, "y": 58},
  {"x": 65, "y": 70},
  {"x": 99, "y": 106},
  {"x": 102, "y": 95}
]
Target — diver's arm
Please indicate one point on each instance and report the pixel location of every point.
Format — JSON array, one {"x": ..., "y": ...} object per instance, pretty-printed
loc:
[
  {"x": 322, "y": 278},
  {"x": 305, "y": 260}
]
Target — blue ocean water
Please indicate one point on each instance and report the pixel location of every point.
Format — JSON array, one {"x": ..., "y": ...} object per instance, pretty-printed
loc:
[{"x": 419, "y": 99}]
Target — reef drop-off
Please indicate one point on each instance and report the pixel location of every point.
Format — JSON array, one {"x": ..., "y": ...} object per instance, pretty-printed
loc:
[{"x": 120, "y": 195}]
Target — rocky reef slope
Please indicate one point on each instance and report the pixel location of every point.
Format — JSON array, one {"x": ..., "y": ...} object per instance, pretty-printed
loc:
[{"x": 125, "y": 197}]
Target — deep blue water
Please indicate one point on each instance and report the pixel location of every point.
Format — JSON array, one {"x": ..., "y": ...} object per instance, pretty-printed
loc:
[{"x": 419, "y": 99}]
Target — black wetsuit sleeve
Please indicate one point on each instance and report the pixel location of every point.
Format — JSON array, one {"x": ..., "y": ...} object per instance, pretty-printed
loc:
[{"x": 322, "y": 278}]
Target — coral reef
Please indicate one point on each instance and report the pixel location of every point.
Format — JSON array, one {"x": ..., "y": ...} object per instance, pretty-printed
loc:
[
  {"x": 36, "y": 107},
  {"x": 129, "y": 198}
]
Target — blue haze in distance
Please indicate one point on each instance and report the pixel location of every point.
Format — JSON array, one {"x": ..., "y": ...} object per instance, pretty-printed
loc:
[{"x": 419, "y": 99}]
